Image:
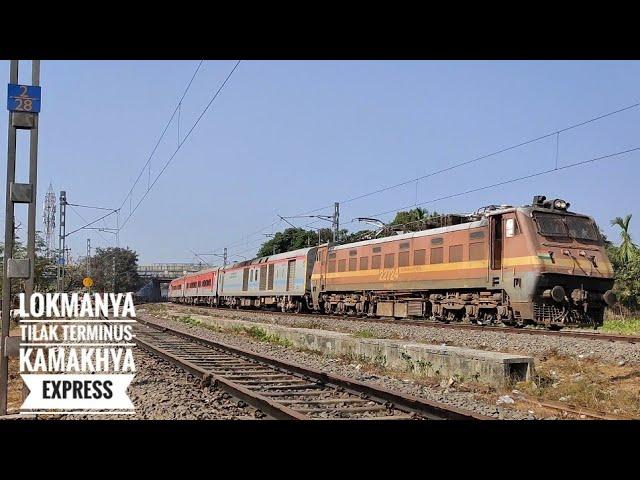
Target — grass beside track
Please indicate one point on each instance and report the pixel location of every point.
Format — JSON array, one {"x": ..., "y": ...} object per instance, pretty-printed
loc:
[{"x": 622, "y": 326}]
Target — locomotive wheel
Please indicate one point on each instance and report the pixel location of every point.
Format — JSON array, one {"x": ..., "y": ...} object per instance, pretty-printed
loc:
[{"x": 299, "y": 307}]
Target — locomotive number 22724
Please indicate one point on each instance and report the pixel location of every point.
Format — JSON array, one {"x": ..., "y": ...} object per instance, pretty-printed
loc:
[{"x": 389, "y": 274}]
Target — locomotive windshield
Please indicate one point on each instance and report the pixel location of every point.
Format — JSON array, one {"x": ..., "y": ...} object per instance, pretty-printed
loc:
[{"x": 553, "y": 225}]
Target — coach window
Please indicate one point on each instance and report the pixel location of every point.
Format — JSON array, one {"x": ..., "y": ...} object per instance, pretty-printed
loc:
[
  {"x": 455, "y": 253},
  {"x": 420, "y": 257},
  {"x": 353, "y": 264},
  {"x": 403, "y": 259},
  {"x": 375, "y": 261},
  {"x": 332, "y": 266},
  {"x": 342, "y": 265},
  {"x": 436, "y": 255},
  {"x": 390, "y": 260},
  {"x": 364, "y": 263}
]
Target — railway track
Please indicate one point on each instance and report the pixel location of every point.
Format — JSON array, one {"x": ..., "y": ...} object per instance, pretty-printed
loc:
[
  {"x": 285, "y": 390},
  {"x": 460, "y": 326}
]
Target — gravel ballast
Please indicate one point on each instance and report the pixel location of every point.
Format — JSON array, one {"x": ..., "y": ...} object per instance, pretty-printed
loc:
[
  {"x": 162, "y": 391},
  {"x": 445, "y": 394}
]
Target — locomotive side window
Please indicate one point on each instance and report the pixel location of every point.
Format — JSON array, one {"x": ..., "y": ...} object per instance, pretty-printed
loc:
[
  {"x": 389, "y": 260},
  {"x": 511, "y": 227},
  {"x": 420, "y": 257},
  {"x": 375, "y": 261},
  {"x": 364, "y": 263},
  {"x": 476, "y": 235},
  {"x": 476, "y": 251},
  {"x": 403, "y": 259},
  {"x": 455, "y": 253},
  {"x": 436, "y": 255},
  {"x": 342, "y": 265},
  {"x": 436, "y": 241},
  {"x": 353, "y": 264}
]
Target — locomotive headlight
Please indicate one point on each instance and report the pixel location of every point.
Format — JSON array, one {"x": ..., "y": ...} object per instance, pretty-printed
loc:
[{"x": 559, "y": 204}]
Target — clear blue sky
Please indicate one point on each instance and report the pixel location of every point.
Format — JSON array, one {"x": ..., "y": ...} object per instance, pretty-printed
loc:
[{"x": 285, "y": 136}]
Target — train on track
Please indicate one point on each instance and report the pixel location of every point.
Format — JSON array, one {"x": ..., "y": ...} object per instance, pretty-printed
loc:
[{"x": 537, "y": 264}]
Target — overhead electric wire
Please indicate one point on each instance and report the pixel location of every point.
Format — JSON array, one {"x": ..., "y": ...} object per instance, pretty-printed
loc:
[
  {"x": 89, "y": 206},
  {"x": 91, "y": 223},
  {"x": 512, "y": 180},
  {"x": 168, "y": 162},
  {"x": 162, "y": 134},
  {"x": 85, "y": 220},
  {"x": 483, "y": 157},
  {"x": 467, "y": 162}
]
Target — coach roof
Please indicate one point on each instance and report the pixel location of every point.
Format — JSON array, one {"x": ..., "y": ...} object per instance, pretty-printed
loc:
[{"x": 421, "y": 233}]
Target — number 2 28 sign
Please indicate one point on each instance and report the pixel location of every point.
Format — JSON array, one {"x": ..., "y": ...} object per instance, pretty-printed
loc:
[{"x": 23, "y": 98}]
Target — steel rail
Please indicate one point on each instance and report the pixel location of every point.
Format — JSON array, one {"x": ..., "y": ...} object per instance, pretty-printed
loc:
[
  {"x": 633, "y": 339},
  {"x": 281, "y": 389}
]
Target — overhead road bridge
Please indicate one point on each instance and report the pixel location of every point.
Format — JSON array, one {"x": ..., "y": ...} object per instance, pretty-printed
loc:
[{"x": 162, "y": 273}]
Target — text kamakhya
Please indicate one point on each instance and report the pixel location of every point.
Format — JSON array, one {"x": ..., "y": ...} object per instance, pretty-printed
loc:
[
  {"x": 56, "y": 305},
  {"x": 77, "y": 360}
]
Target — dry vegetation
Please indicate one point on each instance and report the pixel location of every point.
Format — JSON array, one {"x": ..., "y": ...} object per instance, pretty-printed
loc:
[{"x": 586, "y": 383}]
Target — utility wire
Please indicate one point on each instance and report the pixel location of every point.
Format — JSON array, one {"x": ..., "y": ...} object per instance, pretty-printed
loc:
[{"x": 168, "y": 162}]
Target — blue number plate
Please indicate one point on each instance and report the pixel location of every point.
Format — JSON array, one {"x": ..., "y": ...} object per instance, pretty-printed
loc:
[{"x": 23, "y": 98}]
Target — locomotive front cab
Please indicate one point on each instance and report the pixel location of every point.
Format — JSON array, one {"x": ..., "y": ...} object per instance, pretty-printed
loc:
[{"x": 574, "y": 275}]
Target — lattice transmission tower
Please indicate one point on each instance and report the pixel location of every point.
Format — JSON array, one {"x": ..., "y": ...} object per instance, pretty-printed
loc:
[{"x": 49, "y": 220}]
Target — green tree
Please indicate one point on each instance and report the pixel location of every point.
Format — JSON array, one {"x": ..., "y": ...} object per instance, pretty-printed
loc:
[
  {"x": 415, "y": 220},
  {"x": 106, "y": 261},
  {"x": 627, "y": 286},
  {"x": 292, "y": 239},
  {"x": 627, "y": 249},
  {"x": 626, "y": 266},
  {"x": 45, "y": 268}
]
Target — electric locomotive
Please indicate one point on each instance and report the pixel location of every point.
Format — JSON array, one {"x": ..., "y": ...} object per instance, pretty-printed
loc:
[{"x": 537, "y": 264}]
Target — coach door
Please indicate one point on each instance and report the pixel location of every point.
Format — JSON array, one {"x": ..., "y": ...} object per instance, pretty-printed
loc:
[
  {"x": 245, "y": 279},
  {"x": 291, "y": 275},
  {"x": 320, "y": 268},
  {"x": 497, "y": 248}
]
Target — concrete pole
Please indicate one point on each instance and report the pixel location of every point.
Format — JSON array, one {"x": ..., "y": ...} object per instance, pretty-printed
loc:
[
  {"x": 33, "y": 180},
  {"x": 8, "y": 252}
]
